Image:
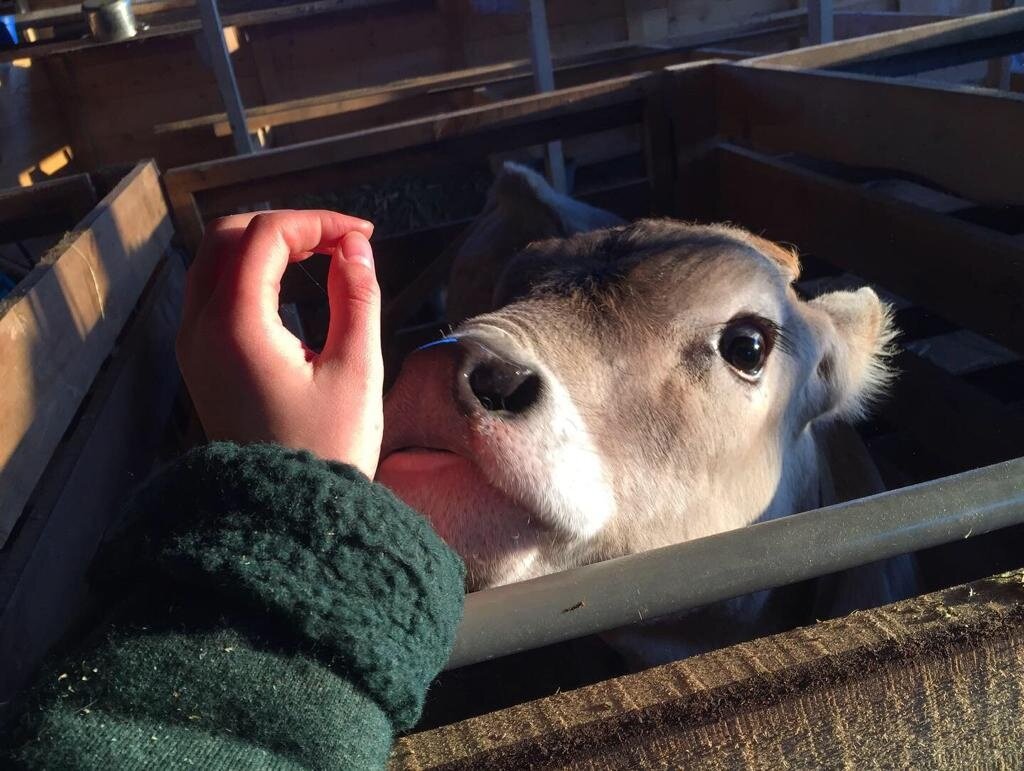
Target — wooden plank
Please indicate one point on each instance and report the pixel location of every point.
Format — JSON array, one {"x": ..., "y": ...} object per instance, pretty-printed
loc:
[
  {"x": 965, "y": 273},
  {"x": 932, "y": 682},
  {"x": 274, "y": 14},
  {"x": 868, "y": 121},
  {"x": 691, "y": 92},
  {"x": 59, "y": 324},
  {"x": 45, "y": 208},
  {"x": 115, "y": 442},
  {"x": 659, "y": 153},
  {"x": 958, "y": 422},
  {"x": 513, "y": 76},
  {"x": 423, "y": 158},
  {"x": 541, "y": 114},
  {"x": 904, "y": 52}
]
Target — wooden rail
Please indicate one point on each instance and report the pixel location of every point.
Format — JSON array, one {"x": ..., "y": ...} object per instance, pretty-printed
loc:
[
  {"x": 918, "y": 49},
  {"x": 932, "y": 682},
  {"x": 513, "y": 76},
  {"x": 198, "y": 191},
  {"x": 969, "y": 274},
  {"x": 59, "y": 325},
  {"x": 876, "y": 122}
]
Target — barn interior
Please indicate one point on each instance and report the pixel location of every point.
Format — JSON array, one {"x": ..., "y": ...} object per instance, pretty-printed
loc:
[{"x": 881, "y": 138}]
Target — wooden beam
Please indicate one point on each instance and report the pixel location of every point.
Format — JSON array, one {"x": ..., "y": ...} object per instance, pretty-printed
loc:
[
  {"x": 114, "y": 443},
  {"x": 273, "y": 14},
  {"x": 59, "y": 324},
  {"x": 968, "y": 274},
  {"x": 516, "y": 122},
  {"x": 948, "y": 421},
  {"x": 867, "y": 121},
  {"x": 513, "y": 76},
  {"x": 45, "y": 208},
  {"x": 931, "y": 682},
  {"x": 919, "y": 49}
]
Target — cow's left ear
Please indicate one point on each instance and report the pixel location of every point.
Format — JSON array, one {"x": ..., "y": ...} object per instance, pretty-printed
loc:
[{"x": 853, "y": 369}]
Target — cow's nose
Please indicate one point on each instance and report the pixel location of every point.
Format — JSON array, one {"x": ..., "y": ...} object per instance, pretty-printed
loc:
[{"x": 495, "y": 382}]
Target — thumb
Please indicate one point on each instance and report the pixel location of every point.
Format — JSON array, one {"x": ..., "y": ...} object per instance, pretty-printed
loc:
[{"x": 353, "y": 333}]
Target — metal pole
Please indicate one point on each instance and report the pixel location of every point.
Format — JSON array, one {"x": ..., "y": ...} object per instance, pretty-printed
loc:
[
  {"x": 820, "y": 22},
  {"x": 619, "y": 592},
  {"x": 543, "y": 81},
  {"x": 220, "y": 60}
]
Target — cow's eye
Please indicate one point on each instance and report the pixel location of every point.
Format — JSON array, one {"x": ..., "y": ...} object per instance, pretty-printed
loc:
[{"x": 744, "y": 346}]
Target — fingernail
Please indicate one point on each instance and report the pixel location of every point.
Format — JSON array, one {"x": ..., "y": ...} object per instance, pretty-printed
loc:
[{"x": 356, "y": 249}]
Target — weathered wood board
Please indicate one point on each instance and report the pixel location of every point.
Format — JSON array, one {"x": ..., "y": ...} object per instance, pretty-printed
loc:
[
  {"x": 933, "y": 682},
  {"x": 60, "y": 323}
]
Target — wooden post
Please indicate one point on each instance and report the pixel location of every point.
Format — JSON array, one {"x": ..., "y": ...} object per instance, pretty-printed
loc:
[
  {"x": 820, "y": 22},
  {"x": 544, "y": 80},
  {"x": 220, "y": 60}
]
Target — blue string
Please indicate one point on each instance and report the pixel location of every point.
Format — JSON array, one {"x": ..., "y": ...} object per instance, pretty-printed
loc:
[{"x": 442, "y": 341}]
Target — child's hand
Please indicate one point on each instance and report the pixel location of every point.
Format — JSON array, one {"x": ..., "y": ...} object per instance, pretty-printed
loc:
[{"x": 252, "y": 380}]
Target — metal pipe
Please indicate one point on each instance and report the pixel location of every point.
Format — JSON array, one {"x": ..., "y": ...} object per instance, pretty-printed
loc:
[
  {"x": 615, "y": 593},
  {"x": 544, "y": 81},
  {"x": 820, "y": 22},
  {"x": 220, "y": 60},
  {"x": 110, "y": 20}
]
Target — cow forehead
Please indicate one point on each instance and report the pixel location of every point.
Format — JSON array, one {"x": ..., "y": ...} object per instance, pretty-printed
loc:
[{"x": 654, "y": 287}]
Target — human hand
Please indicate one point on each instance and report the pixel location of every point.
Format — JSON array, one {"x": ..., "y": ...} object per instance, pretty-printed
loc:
[{"x": 250, "y": 379}]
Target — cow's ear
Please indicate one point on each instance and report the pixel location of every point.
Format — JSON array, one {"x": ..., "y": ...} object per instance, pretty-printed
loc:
[
  {"x": 521, "y": 208},
  {"x": 853, "y": 369},
  {"x": 519, "y": 189}
]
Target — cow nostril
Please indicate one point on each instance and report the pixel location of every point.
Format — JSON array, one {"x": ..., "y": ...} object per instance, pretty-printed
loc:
[{"x": 501, "y": 386}]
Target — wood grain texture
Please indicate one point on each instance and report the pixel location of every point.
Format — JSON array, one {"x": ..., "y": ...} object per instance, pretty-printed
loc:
[
  {"x": 906, "y": 44},
  {"x": 217, "y": 185},
  {"x": 59, "y": 324},
  {"x": 932, "y": 682},
  {"x": 45, "y": 208},
  {"x": 968, "y": 274},
  {"x": 880, "y": 123},
  {"x": 114, "y": 444}
]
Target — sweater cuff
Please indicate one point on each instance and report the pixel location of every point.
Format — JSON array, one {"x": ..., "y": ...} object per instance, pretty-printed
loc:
[{"x": 355, "y": 574}]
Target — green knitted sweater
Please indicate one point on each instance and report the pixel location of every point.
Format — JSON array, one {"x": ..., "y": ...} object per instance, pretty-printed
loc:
[{"x": 290, "y": 614}]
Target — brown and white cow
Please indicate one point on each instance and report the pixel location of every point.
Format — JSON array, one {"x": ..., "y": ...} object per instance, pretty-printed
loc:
[{"x": 634, "y": 387}]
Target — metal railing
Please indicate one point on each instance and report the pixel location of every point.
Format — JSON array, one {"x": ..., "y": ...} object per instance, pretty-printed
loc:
[{"x": 661, "y": 582}]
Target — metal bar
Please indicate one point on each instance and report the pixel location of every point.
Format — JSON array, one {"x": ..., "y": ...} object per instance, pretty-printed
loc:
[
  {"x": 544, "y": 81},
  {"x": 220, "y": 60},
  {"x": 820, "y": 21},
  {"x": 615, "y": 593}
]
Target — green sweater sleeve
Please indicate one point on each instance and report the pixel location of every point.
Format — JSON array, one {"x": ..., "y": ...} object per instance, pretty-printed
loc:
[{"x": 290, "y": 614}]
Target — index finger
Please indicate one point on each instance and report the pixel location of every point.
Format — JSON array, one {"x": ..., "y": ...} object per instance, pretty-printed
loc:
[
  {"x": 250, "y": 281},
  {"x": 221, "y": 236}
]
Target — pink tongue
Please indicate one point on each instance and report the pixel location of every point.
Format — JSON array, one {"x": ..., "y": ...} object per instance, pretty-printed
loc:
[{"x": 419, "y": 460}]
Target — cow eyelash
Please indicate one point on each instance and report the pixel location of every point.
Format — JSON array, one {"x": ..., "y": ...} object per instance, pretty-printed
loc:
[{"x": 776, "y": 334}]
